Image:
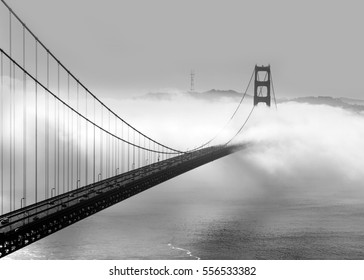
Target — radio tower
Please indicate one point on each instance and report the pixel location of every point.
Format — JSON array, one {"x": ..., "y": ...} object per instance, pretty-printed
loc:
[{"x": 192, "y": 80}]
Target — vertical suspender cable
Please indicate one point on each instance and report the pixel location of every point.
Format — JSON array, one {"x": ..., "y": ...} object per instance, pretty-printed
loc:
[
  {"x": 24, "y": 125},
  {"x": 94, "y": 146},
  {"x": 101, "y": 142},
  {"x": 58, "y": 109},
  {"x": 72, "y": 146},
  {"x": 68, "y": 133},
  {"x": 2, "y": 136},
  {"x": 134, "y": 149},
  {"x": 154, "y": 153},
  {"x": 149, "y": 154},
  {"x": 144, "y": 157},
  {"x": 64, "y": 148},
  {"x": 86, "y": 154},
  {"x": 46, "y": 120},
  {"x": 108, "y": 148},
  {"x": 112, "y": 154},
  {"x": 128, "y": 151},
  {"x": 11, "y": 118},
  {"x": 78, "y": 133},
  {"x": 36, "y": 123},
  {"x": 13, "y": 131},
  {"x": 122, "y": 148},
  {"x": 55, "y": 145},
  {"x": 106, "y": 151},
  {"x": 109, "y": 142},
  {"x": 116, "y": 146}
]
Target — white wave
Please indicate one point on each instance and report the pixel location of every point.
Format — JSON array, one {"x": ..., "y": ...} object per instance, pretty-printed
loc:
[{"x": 184, "y": 250}]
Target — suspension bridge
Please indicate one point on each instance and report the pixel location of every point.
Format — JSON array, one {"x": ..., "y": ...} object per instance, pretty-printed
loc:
[{"x": 64, "y": 154}]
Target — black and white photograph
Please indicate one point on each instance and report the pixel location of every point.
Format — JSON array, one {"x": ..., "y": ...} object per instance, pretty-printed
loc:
[{"x": 182, "y": 130}]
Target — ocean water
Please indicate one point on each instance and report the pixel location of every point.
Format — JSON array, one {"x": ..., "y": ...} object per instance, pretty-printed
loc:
[{"x": 223, "y": 210}]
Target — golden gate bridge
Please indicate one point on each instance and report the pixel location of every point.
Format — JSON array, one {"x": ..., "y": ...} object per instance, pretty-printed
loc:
[{"x": 64, "y": 154}]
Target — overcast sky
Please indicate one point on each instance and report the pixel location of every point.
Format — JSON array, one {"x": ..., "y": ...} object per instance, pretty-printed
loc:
[{"x": 137, "y": 46}]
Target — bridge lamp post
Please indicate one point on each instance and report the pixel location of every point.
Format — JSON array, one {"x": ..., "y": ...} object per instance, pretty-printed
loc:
[
  {"x": 21, "y": 202},
  {"x": 21, "y": 206},
  {"x": 52, "y": 194},
  {"x": 53, "y": 189}
]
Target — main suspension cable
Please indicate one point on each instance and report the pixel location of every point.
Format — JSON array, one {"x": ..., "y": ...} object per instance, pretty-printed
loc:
[
  {"x": 241, "y": 128},
  {"x": 274, "y": 94},
  {"x": 232, "y": 116},
  {"x": 81, "y": 84},
  {"x": 87, "y": 119},
  {"x": 245, "y": 122}
]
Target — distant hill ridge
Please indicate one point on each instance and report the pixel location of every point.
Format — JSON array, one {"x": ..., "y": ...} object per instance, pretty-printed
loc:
[
  {"x": 341, "y": 102},
  {"x": 356, "y": 105},
  {"x": 220, "y": 91},
  {"x": 214, "y": 94}
]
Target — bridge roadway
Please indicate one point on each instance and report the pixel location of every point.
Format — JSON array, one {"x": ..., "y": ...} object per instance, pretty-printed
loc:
[{"x": 24, "y": 226}]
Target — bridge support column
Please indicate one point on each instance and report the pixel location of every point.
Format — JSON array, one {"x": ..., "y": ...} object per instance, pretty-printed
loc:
[{"x": 262, "y": 88}]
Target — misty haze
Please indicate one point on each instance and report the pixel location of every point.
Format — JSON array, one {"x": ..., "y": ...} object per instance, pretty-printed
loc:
[
  {"x": 294, "y": 193},
  {"x": 177, "y": 72}
]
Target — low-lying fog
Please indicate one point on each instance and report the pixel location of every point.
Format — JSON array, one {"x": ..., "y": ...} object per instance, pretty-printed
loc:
[{"x": 299, "y": 179}]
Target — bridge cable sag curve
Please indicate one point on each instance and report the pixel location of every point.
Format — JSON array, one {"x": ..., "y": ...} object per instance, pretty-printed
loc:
[
  {"x": 245, "y": 122},
  {"x": 232, "y": 116},
  {"x": 82, "y": 85},
  {"x": 78, "y": 113}
]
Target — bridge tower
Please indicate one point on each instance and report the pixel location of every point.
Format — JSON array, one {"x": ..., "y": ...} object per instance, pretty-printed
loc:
[{"x": 262, "y": 87}]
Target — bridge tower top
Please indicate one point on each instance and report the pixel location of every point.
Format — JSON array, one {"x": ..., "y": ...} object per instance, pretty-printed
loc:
[{"x": 262, "y": 87}]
